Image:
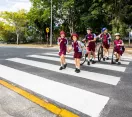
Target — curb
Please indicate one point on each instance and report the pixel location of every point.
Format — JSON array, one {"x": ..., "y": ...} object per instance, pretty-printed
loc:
[{"x": 60, "y": 112}]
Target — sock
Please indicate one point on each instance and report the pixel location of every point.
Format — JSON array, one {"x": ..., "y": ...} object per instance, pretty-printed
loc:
[
  {"x": 78, "y": 68},
  {"x": 61, "y": 65},
  {"x": 88, "y": 59}
]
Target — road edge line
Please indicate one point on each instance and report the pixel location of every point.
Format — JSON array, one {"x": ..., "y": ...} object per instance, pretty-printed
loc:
[{"x": 46, "y": 105}]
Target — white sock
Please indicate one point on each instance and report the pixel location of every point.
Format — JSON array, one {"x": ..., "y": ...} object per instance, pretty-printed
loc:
[
  {"x": 88, "y": 59},
  {"x": 78, "y": 68},
  {"x": 61, "y": 65}
]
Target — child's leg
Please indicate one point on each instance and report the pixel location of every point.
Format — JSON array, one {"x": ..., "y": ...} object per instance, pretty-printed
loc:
[
  {"x": 75, "y": 62},
  {"x": 118, "y": 56},
  {"x": 115, "y": 53},
  {"x": 78, "y": 63},
  {"x": 61, "y": 60},
  {"x": 105, "y": 52},
  {"x": 89, "y": 55},
  {"x": 94, "y": 55}
]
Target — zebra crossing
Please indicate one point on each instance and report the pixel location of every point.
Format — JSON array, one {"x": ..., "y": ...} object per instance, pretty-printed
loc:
[{"x": 87, "y": 102}]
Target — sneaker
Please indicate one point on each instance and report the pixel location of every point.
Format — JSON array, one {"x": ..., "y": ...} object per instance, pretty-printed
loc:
[
  {"x": 88, "y": 63},
  {"x": 116, "y": 60},
  {"x": 119, "y": 63},
  {"x": 103, "y": 59},
  {"x": 93, "y": 62},
  {"x": 77, "y": 71},
  {"x": 65, "y": 65},
  {"x": 107, "y": 58},
  {"x": 61, "y": 68}
]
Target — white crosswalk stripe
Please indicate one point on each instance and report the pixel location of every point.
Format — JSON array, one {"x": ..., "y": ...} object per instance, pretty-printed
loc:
[
  {"x": 78, "y": 99},
  {"x": 84, "y": 74},
  {"x": 109, "y": 67},
  {"x": 71, "y": 56},
  {"x": 84, "y": 101},
  {"x": 128, "y": 58}
]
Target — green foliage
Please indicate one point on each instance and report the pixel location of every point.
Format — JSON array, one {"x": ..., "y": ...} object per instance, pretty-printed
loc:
[
  {"x": 15, "y": 22},
  {"x": 69, "y": 15}
]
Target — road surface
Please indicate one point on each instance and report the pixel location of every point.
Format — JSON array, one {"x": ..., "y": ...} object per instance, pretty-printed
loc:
[{"x": 100, "y": 90}]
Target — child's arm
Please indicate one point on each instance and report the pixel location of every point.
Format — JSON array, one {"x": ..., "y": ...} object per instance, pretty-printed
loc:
[
  {"x": 121, "y": 44},
  {"x": 59, "y": 41},
  {"x": 84, "y": 40},
  {"x": 67, "y": 47},
  {"x": 70, "y": 49}
]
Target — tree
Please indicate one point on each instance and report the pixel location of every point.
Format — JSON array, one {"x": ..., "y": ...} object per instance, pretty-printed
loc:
[
  {"x": 77, "y": 15},
  {"x": 17, "y": 20},
  {"x": 119, "y": 12}
]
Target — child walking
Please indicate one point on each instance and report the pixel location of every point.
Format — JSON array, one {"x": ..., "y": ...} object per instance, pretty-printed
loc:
[
  {"x": 90, "y": 39},
  {"x": 62, "y": 42},
  {"x": 76, "y": 46},
  {"x": 118, "y": 47}
]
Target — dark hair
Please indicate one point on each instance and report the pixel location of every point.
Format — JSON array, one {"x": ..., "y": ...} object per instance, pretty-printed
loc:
[{"x": 89, "y": 28}]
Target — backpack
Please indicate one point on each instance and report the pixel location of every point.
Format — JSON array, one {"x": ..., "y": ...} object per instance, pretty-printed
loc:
[{"x": 81, "y": 45}]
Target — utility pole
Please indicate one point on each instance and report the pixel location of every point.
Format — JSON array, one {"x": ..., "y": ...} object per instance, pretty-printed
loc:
[{"x": 51, "y": 25}]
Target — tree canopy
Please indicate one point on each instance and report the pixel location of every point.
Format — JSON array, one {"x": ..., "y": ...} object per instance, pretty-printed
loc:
[{"x": 71, "y": 16}]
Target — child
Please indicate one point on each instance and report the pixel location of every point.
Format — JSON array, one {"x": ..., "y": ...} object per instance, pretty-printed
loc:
[
  {"x": 76, "y": 46},
  {"x": 62, "y": 42},
  {"x": 106, "y": 37},
  {"x": 118, "y": 47},
  {"x": 90, "y": 38}
]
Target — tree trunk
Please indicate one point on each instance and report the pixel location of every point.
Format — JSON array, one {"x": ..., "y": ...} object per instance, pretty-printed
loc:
[{"x": 71, "y": 27}]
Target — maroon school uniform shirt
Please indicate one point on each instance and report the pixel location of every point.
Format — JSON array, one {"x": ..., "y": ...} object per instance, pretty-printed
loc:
[
  {"x": 90, "y": 37},
  {"x": 105, "y": 39},
  {"x": 118, "y": 49},
  {"x": 91, "y": 45},
  {"x": 77, "y": 49},
  {"x": 116, "y": 42},
  {"x": 63, "y": 45},
  {"x": 76, "y": 46}
]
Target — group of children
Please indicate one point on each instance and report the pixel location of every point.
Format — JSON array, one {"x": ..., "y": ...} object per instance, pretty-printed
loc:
[{"x": 90, "y": 40}]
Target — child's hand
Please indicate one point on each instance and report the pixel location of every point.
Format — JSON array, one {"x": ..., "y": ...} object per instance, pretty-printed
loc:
[
  {"x": 89, "y": 41},
  {"x": 70, "y": 48},
  {"x": 60, "y": 41},
  {"x": 68, "y": 51}
]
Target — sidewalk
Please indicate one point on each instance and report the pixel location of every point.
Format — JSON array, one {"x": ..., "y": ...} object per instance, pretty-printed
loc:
[
  {"x": 29, "y": 45},
  {"x": 14, "y": 105}
]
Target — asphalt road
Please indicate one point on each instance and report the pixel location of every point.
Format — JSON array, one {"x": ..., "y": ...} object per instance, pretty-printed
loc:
[{"x": 101, "y": 81}]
